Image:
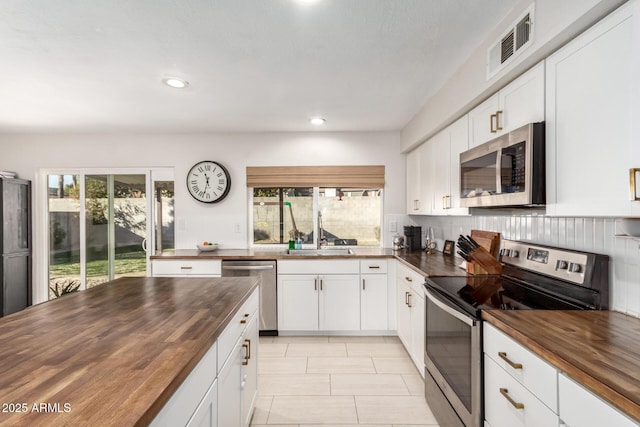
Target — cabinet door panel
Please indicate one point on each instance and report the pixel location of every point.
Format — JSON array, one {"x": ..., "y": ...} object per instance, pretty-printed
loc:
[
  {"x": 439, "y": 167},
  {"x": 589, "y": 125},
  {"x": 480, "y": 121},
  {"x": 297, "y": 302},
  {"x": 373, "y": 307},
  {"x": 230, "y": 389},
  {"x": 418, "y": 330},
  {"x": 522, "y": 101},
  {"x": 339, "y": 303},
  {"x": 413, "y": 181},
  {"x": 206, "y": 415},
  {"x": 250, "y": 371}
]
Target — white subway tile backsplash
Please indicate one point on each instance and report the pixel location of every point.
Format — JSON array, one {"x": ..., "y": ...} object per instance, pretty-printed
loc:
[{"x": 587, "y": 234}]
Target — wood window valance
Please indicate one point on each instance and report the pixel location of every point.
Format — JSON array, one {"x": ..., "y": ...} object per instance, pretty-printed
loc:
[{"x": 315, "y": 176}]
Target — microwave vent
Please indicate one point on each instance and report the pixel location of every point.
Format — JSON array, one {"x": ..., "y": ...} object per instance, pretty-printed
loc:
[{"x": 515, "y": 39}]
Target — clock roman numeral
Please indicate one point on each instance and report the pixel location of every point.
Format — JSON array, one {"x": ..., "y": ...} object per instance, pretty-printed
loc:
[
  {"x": 195, "y": 188},
  {"x": 194, "y": 181},
  {"x": 222, "y": 181},
  {"x": 220, "y": 174},
  {"x": 208, "y": 167},
  {"x": 220, "y": 188}
]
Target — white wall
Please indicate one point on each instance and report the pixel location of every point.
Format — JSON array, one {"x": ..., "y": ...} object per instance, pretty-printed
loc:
[
  {"x": 555, "y": 23},
  {"x": 224, "y": 222}
]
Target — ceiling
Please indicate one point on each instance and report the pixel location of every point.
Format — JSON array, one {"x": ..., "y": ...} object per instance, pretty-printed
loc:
[{"x": 252, "y": 65}]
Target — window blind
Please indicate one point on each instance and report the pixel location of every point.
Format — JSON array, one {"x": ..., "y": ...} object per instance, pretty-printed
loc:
[{"x": 316, "y": 176}]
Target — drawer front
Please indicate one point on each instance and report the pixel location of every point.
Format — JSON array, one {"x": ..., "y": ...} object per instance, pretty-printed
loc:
[
  {"x": 232, "y": 333},
  {"x": 186, "y": 267},
  {"x": 373, "y": 266},
  {"x": 507, "y": 403},
  {"x": 333, "y": 266},
  {"x": 580, "y": 407},
  {"x": 411, "y": 278},
  {"x": 524, "y": 366}
]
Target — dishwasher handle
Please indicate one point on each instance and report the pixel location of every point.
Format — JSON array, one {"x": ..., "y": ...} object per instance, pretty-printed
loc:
[{"x": 247, "y": 267}]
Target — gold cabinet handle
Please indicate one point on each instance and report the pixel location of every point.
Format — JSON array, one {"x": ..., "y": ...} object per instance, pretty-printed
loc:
[
  {"x": 244, "y": 319},
  {"x": 315, "y": 284},
  {"x": 505, "y": 393},
  {"x": 447, "y": 202},
  {"x": 186, "y": 268},
  {"x": 503, "y": 355},
  {"x": 633, "y": 183},
  {"x": 409, "y": 299},
  {"x": 491, "y": 121},
  {"x": 320, "y": 284},
  {"x": 406, "y": 298},
  {"x": 498, "y": 114},
  {"x": 247, "y": 352},
  {"x": 408, "y": 279},
  {"x": 374, "y": 267},
  {"x": 363, "y": 285}
]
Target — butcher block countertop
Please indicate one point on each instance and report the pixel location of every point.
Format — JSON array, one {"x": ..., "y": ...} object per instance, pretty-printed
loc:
[
  {"x": 598, "y": 349},
  {"x": 113, "y": 354},
  {"x": 433, "y": 265}
]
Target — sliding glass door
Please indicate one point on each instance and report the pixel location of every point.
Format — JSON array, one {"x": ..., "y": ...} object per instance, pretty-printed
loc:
[{"x": 101, "y": 225}]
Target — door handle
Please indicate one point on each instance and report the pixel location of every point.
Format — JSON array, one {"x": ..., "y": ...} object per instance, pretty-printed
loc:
[
  {"x": 633, "y": 183},
  {"x": 505, "y": 393},
  {"x": 246, "y": 345},
  {"x": 244, "y": 320},
  {"x": 491, "y": 121},
  {"x": 363, "y": 285},
  {"x": 315, "y": 284},
  {"x": 498, "y": 114},
  {"x": 409, "y": 299},
  {"x": 503, "y": 356}
]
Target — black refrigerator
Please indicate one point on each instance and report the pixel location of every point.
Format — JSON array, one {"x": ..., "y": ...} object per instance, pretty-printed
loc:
[{"x": 15, "y": 238}]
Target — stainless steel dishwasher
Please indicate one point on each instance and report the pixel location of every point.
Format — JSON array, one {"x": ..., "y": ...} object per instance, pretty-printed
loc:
[{"x": 266, "y": 270}]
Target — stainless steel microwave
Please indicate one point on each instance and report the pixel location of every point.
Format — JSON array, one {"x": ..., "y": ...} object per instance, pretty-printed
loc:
[{"x": 506, "y": 171}]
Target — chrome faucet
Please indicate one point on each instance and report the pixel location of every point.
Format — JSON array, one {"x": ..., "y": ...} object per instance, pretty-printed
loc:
[{"x": 321, "y": 240}]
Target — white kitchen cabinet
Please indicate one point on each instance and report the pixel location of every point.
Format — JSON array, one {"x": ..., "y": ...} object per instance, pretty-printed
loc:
[
  {"x": 249, "y": 384},
  {"x": 186, "y": 267},
  {"x": 221, "y": 389},
  {"x": 206, "y": 415},
  {"x": 418, "y": 180},
  {"x": 446, "y": 147},
  {"x": 328, "y": 300},
  {"x": 374, "y": 306},
  {"x": 509, "y": 404},
  {"x": 581, "y": 408},
  {"x": 517, "y": 104},
  {"x": 411, "y": 313},
  {"x": 238, "y": 373},
  {"x": 593, "y": 119}
]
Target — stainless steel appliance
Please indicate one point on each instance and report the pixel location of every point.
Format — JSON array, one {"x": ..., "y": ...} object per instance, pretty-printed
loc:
[
  {"x": 533, "y": 277},
  {"x": 506, "y": 171},
  {"x": 266, "y": 270}
]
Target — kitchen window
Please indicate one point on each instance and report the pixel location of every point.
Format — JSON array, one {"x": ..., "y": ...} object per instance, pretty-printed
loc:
[
  {"x": 345, "y": 201},
  {"x": 349, "y": 216}
]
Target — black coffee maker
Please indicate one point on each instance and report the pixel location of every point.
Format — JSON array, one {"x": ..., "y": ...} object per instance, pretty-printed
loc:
[{"x": 413, "y": 238}]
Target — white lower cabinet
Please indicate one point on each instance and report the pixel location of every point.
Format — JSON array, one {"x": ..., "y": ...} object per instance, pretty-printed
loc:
[
  {"x": 329, "y": 302},
  {"x": 411, "y": 313},
  {"x": 186, "y": 267},
  {"x": 520, "y": 388},
  {"x": 333, "y": 295},
  {"x": 581, "y": 408},
  {"x": 222, "y": 388},
  {"x": 206, "y": 415}
]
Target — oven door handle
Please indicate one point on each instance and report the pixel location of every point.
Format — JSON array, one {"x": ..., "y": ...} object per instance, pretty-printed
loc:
[{"x": 437, "y": 300}]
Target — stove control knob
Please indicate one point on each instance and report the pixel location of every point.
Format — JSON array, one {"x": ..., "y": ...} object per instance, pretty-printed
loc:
[
  {"x": 504, "y": 252},
  {"x": 574, "y": 267},
  {"x": 561, "y": 264},
  {"x": 514, "y": 254}
]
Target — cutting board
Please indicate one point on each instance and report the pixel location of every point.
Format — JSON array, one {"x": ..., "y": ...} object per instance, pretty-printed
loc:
[{"x": 490, "y": 240}]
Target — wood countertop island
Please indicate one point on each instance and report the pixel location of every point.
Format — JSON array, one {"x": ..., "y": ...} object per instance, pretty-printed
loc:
[
  {"x": 598, "y": 349},
  {"x": 113, "y": 354}
]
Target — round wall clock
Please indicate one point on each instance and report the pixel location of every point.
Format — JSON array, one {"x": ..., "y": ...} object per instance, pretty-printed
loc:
[{"x": 208, "y": 182}]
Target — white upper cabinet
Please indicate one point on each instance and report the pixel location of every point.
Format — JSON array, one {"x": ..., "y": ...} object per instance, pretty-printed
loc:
[
  {"x": 418, "y": 181},
  {"x": 593, "y": 119},
  {"x": 519, "y": 103},
  {"x": 446, "y": 147}
]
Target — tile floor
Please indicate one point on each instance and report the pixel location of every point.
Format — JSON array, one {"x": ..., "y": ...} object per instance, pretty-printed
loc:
[{"x": 338, "y": 381}]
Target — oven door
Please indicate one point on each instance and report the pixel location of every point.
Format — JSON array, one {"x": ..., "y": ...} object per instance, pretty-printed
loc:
[{"x": 453, "y": 360}]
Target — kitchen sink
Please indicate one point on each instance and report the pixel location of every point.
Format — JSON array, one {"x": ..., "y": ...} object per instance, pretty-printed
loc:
[{"x": 323, "y": 251}]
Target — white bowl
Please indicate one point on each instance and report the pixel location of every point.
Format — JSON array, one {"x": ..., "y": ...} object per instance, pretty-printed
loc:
[{"x": 207, "y": 248}]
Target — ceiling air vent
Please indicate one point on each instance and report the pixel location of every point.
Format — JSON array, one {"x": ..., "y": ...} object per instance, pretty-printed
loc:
[{"x": 513, "y": 40}]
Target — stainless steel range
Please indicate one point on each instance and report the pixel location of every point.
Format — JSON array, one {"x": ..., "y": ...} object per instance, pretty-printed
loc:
[{"x": 533, "y": 277}]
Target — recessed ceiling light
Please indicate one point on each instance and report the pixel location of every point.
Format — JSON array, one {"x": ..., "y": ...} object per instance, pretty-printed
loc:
[
  {"x": 175, "y": 82},
  {"x": 317, "y": 121}
]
